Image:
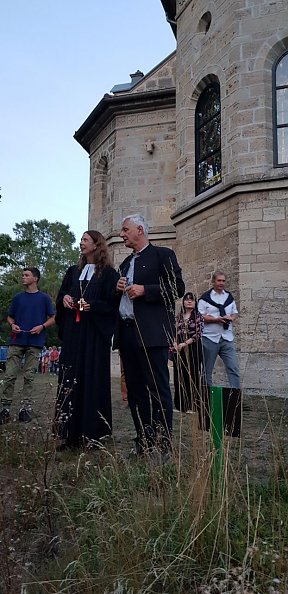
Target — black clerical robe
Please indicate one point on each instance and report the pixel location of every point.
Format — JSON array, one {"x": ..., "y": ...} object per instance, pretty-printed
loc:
[{"x": 83, "y": 408}]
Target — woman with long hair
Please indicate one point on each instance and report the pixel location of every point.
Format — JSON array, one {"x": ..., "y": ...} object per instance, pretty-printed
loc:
[
  {"x": 188, "y": 356},
  {"x": 86, "y": 314}
]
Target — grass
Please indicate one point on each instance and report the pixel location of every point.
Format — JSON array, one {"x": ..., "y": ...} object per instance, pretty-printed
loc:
[{"x": 94, "y": 522}]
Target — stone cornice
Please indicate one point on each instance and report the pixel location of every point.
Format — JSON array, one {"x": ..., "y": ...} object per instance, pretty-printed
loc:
[
  {"x": 181, "y": 5},
  {"x": 203, "y": 202},
  {"x": 113, "y": 105}
]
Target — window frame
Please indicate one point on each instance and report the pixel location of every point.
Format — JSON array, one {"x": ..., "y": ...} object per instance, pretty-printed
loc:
[
  {"x": 198, "y": 158},
  {"x": 276, "y": 126}
]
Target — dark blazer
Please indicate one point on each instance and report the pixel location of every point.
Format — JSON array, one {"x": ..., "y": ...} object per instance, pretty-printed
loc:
[{"x": 158, "y": 270}]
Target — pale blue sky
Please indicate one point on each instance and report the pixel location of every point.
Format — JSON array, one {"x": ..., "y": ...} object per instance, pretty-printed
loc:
[{"x": 57, "y": 59}]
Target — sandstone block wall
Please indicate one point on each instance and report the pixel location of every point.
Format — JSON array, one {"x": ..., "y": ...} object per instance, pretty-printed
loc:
[
  {"x": 241, "y": 224},
  {"x": 134, "y": 180},
  {"x": 247, "y": 238},
  {"x": 263, "y": 285},
  {"x": 206, "y": 242}
]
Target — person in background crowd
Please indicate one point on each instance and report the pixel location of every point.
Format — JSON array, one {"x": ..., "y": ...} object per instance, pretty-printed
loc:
[
  {"x": 86, "y": 314},
  {"x": 45, "y": 360},
  {"x": 53, "y": 360},
  {"x": 188, "y": 356},
  {"x": 219, "y": 311},
  {"x": 30, "y": 313},
  {"x": 123, "y": 383},
  {"x": 38, "y": 363}
]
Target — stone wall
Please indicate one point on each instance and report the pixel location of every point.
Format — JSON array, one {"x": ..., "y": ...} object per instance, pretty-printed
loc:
[
  {"x": 136, "y": 179},
  {"x": 207, "y": 241},
  {"x": 102, "y": 157},
  {"x": 247, "y": 237},
  {"x": 239, "y": 225},
  {"x": 263, "y": 274}
]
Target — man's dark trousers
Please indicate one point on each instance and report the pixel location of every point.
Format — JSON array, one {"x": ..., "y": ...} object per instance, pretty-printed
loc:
[{"x": 147, "y": 379}]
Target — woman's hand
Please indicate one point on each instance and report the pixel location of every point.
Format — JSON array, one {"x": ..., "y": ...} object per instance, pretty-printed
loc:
[
  {"x": 68, "y": 301},
  {"x": 181, "y": 346},
  {"x": 86, "y": 306},
  {"x": 121, "y": 284}
]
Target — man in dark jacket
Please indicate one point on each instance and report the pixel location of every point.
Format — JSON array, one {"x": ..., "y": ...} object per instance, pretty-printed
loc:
[{"x": 150, "y": 283}]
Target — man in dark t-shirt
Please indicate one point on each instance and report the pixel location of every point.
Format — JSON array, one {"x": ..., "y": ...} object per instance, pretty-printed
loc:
[{"x": 29, "y": 314}]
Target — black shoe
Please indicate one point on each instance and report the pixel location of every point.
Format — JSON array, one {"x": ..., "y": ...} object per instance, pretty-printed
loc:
[
  {"x": 24, "y": 416},
  {"x": 4, "y": 416},
  {"x": 138, "y": 448}
]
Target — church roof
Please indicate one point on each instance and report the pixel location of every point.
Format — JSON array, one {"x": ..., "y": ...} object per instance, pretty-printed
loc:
[
  {"x": 155, "y": 90},
  {"x": 135, "y": 78}
]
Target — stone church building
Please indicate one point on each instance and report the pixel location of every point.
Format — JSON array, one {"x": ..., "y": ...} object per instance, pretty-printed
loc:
[{"x": 199, "y": 146}]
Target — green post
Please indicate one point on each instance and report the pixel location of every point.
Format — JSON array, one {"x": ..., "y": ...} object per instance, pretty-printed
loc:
[{"x": 216, "y": 417}]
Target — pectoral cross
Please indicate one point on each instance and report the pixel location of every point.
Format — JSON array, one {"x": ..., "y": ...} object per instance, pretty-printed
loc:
[{"x": 81, "y": 304}]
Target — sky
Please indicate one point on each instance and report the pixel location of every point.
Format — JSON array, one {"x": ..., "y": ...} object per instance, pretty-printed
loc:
[{"x": 57, "y": 60}]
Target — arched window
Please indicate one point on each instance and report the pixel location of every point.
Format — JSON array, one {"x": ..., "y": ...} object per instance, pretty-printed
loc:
[
  {"x": 101, "y": 184},
  {"x": 280, "y": 110},
  {"x": 208, "y": 138}
]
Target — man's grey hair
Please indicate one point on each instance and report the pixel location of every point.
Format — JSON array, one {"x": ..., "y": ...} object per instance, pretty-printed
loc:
[
  {"x": 138, "y": 220},
  {"x": 218, "y": 273}
]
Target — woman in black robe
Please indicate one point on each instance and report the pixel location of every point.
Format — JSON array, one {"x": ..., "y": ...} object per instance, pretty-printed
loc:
[
  {"x": 188, "y": 356},
  {"x": 86, "y": 314}
]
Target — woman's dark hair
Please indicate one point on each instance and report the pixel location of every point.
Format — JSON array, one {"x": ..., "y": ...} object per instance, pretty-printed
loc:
[
  {"x": 190, "y": 295},
  {"x": 101, "y": 255}
]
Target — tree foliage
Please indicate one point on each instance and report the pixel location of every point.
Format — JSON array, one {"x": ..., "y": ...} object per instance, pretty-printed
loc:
[
  {"x": 6, "y": 250},
  {"x": 49, "y": 246}
]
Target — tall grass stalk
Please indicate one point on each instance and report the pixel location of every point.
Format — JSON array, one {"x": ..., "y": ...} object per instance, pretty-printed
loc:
[{"x": 95, "y": 522}]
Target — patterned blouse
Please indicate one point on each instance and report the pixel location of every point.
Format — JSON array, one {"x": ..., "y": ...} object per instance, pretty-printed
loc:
[{"x": 191, "y": 328}]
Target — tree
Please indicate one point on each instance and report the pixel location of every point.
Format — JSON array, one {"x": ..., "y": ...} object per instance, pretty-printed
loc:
[
  {"x": 49, "y": 246},
  {"x": 6, "y": 250}
]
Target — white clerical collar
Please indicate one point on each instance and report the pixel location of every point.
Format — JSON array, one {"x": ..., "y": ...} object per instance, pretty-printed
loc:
[{"x": 87, "y": 272}]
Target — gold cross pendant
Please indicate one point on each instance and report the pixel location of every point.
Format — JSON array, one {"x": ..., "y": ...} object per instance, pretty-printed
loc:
[{"x": 81, "y": 304}]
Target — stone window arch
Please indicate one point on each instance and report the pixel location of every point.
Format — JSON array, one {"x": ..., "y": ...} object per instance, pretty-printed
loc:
[
  {"x": 101, "y": 181},
  {"x": 208, "y": 138},
  {"x": 280, "y": 110},
  {"x": 204, "y": 23}
]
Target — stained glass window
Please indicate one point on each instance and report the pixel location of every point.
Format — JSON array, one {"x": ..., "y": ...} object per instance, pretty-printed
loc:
[
  {"x": 281, "y": 110},
  {"x": 208, "y": 138}
]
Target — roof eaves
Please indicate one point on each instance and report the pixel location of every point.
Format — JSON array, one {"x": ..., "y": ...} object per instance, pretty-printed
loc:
[
  {"x": 121, "y": 88},
  {"x": 109, "y": 106},
  {"x": 170, "y": 11}
]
